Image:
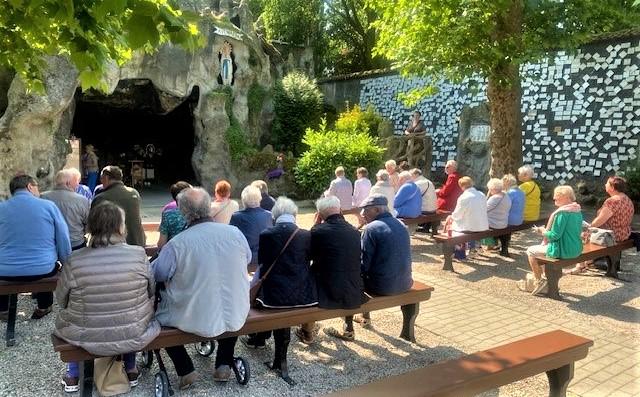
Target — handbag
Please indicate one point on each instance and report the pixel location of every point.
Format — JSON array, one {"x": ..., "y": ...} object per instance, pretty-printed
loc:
[
  {"x": 110, "y": 376},
  {"x": 255, "y": 289},
  {"x": 602, "y": 237}
]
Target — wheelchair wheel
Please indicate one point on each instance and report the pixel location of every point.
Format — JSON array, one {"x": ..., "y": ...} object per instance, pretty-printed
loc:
[
  {"x": 162, "y": 384},
  {"x": 205, "y": 349},
  {"x": 146, "y": 359},
  {"x": 242, "y": 370}
]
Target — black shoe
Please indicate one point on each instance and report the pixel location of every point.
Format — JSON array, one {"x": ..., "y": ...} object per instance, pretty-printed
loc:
[
  {"x": 252, "y": 343},
  {"x": 39, "y": 313}
]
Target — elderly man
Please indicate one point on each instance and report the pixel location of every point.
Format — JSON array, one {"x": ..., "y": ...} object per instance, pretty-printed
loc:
[
  {"x": 383, "y": 187},
  {"x": 252, "y": 220},
  {"x": 126, "y": 198},
  {"x": 386, "y": 252},
  {"x": 341, "y": 188},
  {"x": 266, "y": 202},
  {"x": 33, "y": 236},
  {"x": 204, "y": 269},
  {"x": 450, "y": 191},
  {"x": 470, "y": 214},
  {"x": 335, "y": 252},
  {"x": 74, "y": 207},
  {"x": 408, "y": 201},
  {"x": 79, "y": 188}
]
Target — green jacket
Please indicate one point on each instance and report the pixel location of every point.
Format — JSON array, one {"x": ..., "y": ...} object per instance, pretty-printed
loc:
[
  {"x": 129, "y": 200},
  {"x": 564, "y": 237}
]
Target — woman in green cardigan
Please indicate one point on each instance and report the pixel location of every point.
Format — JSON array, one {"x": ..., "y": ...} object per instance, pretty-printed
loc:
[{"x": 561, "y": 237}]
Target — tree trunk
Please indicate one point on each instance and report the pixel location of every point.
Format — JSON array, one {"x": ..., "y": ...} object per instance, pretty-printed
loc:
[{"x": 503, "y": 92}]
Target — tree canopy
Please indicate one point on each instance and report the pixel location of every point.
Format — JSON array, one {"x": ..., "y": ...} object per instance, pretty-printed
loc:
[{"x": 91, "y": 33}]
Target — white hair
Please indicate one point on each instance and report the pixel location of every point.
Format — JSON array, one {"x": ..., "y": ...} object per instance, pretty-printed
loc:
[
  {"x": 251, "y": 197},
  {"x": 194, "y": 203},
  {"x": 526, "y": 170},
  {"x": 63, "y": 177},
  {"x": 566, "y": 191},
  {"x": 509, "y": 181},
  {"x": 405, "y": 176},
  {"x": 453, "y": 164},
  {"x": 284, "y": 206},
  {"x": 390, "y": 163},
  {"x": 325, "y": 204},
  {"x": 416, "y": 172},
  {"x": 382, "y": 175},
  {"x": 494, "y": 185},
  {"x": 75, "y": 173}
]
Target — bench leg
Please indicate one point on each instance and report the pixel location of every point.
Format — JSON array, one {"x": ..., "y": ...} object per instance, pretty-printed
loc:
[
  {"x": 559, "y": 379},
  {"x": 11, "y": 320},
  {"x": 409, "y": 314},
  {"x": 86, "y": 378},
  {"x": 553, "y": 274},
  {"x": 504, "y": 244},
  {"x": 613, "y": 265},
  {"x": 281, "y": 338},
  {"x": 447, "y": 251}
]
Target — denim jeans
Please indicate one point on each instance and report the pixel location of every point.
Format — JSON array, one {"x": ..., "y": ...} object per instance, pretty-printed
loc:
[{"x": 73, "y": 368}]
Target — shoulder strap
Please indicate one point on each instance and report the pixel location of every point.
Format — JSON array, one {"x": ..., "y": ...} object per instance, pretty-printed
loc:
[
  {"x": 427, "y": 189},
  {"x": 532, "y": 189},
  {"x": 281, "y": 252}
]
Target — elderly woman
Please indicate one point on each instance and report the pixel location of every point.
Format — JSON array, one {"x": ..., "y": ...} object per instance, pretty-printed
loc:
[
  {"x": 284, "y": 252},
  {"x": 223, "y": 207},
  {"x": 99, "y": 284},
  {"x": 562, "y": 237},
  {"x": 172, "y": 221},
  {"x": 470, "y": 214},
  {"x": 616, "y": 214},
  {"x": 394, "y": 178},
  {"x": 498, "y": 206},
  {"x": 516, "y": 212},
  {"x": 531, "y": 193},
  {"x": 252, "y": 220},
  {"x": 383, "y": 187}
]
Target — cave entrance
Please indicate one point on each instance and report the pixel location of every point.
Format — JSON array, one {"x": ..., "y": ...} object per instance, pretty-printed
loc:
[{"x": 144, "y": 131}]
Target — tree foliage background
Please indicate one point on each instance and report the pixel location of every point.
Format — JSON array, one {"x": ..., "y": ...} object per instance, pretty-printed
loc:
[{"x": 92, "y": 33}]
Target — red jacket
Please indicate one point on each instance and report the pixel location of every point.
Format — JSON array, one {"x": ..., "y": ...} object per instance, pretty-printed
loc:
[{"x": 449, "y": 193}]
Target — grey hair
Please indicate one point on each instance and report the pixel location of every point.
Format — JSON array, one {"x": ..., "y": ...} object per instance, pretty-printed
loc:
[
  {"x": 405, "y": 176},
  {"x": 416, "y": 172},
  {"x": 495, "y": 185},
  {"x": 325, "y": 204},
  {"x": 526, "y": 170},
  {"x": 284, "y": 205},
  {"x": 194, "y": 203},
  {"x": 509, "y": 181},
  {"x": 382, "y": 175},
  {"x": 453, "y": 163},
  {"x": 251, "y": 197},
  {"x": 63, "y": 177},
  {"x": 74, "y": 172},
  {"x": 262, "y": 185}
]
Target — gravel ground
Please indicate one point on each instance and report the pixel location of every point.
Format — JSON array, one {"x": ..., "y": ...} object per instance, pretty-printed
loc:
[{"x": 31, "y": 368}]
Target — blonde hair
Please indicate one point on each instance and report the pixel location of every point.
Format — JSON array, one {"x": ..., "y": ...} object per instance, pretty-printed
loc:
[
  {"x": 509, "y": 181},
  {"x": 566, "y": 191},
  {"x": 340, "y": 171},
  {"x": 390, "y": 163},
  {"x": 465, "y": 182}
]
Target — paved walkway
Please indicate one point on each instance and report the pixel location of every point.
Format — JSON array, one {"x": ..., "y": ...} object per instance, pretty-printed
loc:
[{"x": 476, "y": 321}]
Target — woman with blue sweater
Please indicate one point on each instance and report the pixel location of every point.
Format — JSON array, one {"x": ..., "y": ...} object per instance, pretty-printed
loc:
[{"x": 408, "y": 200}]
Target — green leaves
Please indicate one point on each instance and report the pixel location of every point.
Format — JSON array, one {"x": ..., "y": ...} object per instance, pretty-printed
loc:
[{"x": 91, "y": 33}]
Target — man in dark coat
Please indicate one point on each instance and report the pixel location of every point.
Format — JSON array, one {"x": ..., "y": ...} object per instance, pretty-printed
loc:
[
  {"x": 124, "y": 197},
  {"x": 335, "y": 252}
]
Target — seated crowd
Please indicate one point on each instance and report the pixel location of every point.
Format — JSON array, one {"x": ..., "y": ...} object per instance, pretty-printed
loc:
[{"x": 107, "y": 286}]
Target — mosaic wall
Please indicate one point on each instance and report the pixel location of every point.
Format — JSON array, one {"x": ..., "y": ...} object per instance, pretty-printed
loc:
[{"x": 581, "y": 112}]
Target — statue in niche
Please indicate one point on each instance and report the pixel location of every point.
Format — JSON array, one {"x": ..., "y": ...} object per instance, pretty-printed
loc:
[{"x": 226, "y": 64}]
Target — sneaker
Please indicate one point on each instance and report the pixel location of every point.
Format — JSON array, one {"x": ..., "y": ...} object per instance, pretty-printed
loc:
[
  {"x": 71, "y": 384},
  {"x": 39, "y": 313},
  {"x": 222, "y": 373},
  {"x": 4, "y": 316},
  {"x": 541, "y": 287},
  {"x": 187, "y": 380},
  {"x": 364, "y": 322},
  {"x": 133, "y": 378},
  {"x": 348, "y": 336},
  {"x": 252, "y": 343}
]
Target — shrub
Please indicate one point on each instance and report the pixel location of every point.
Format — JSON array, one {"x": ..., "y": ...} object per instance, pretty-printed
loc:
[
  {"x": 236, "y": 138},
  {"x": 632, "y": 175},
  {"x": 355, "y": 119},
  {"x": 327, "y": 150},
  {"x": 297, "y": 104}
]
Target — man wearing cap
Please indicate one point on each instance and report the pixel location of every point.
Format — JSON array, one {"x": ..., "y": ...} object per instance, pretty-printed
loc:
[
  {"x": 386, "y": 252},
  {"x": 126, "y": 198}
]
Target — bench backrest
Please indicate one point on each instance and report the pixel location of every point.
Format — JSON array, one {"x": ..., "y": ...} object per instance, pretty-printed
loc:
[
  {"x": 263, "y": 320},
  {"x": 486, "y": 370}
]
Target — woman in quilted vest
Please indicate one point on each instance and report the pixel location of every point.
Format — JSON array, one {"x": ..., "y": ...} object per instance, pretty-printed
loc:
[{"x": 105, "y": 293}]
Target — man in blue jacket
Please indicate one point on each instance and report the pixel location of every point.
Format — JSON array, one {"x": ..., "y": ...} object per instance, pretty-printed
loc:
[
  {"x": 386, "y": 252},
  {"x": 33, "y": 237},
  {"x": 408, "y": 200}
]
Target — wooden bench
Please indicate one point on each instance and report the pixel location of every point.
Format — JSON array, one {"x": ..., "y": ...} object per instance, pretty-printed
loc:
[
  {"x": 553, "y": 267},
  {"x": 553, "y": 352},
  {"x": 504, "y": 235},
  {"x": 262, "y": 320},
  {"x": 12, "y": 289},
  {"x": 440, "y": 215}
]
